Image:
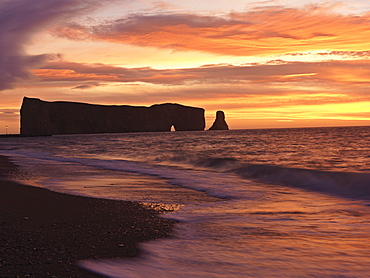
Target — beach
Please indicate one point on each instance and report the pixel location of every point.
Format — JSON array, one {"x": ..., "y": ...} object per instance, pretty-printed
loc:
[
  {"x": 249, "y": 203},
  {"x": 44, "y": 233}
]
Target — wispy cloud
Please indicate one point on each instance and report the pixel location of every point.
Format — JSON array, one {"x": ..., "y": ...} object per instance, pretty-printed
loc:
[
  {"x": 19, "y": 21},
  {"x": 265, "y": 31},
  {"x": 88, "y": 85},
  {"x": 330, "y": 53},
  {"x": 351, "y": 72},
  {"x": 9, "y": 112}
]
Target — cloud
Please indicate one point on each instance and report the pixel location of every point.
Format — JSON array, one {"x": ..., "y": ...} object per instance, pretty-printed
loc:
[
  {"x": 19, "y": 21},
  {"x": 87, "y": 86},
  {"x": 264, "y": 31},
  {"x": 273, "y": 73},
  {"x": 9, "y": 112},
  {"x": 344, "y": 54}
]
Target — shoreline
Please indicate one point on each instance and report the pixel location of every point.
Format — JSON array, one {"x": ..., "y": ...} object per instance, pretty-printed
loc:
[{"x": 45, "y": 233}]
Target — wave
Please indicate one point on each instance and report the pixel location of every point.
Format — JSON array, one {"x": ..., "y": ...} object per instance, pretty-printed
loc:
[
  {"x": 217, "y": 163},
  {"x": 343, "y": 183},
  {"x": 350, "y": 184}
]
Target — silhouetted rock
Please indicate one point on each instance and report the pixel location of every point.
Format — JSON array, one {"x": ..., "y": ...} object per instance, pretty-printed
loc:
[
  {"x": 45, "y": 118},
  {"x": 220, "y": 122}
]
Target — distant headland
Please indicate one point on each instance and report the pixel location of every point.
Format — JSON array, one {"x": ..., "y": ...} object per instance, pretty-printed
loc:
[{"x": 39, "y": 118}]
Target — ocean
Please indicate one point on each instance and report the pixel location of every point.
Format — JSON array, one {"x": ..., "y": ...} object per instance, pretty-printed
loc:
[{"x": 250, "y": 203}]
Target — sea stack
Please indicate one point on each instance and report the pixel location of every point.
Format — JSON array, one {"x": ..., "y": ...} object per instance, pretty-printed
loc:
[
  {"x": 40, "y": 117},
  {"x": 220, "y": 122}
]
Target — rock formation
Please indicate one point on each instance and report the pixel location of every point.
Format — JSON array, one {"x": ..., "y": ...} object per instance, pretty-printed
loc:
[
  {"x": 220, "y": 122},
  {"x": 45, "y": 118}
]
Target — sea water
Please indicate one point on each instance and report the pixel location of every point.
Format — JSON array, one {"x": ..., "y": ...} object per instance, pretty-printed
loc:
[{"x": 250, "y": 203}]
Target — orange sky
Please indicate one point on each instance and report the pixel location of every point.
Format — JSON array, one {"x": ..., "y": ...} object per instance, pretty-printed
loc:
[{"x": 266, "y": 64}]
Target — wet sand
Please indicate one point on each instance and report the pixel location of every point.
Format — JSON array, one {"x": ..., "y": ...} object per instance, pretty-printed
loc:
[{"x": 44, "y": 233}]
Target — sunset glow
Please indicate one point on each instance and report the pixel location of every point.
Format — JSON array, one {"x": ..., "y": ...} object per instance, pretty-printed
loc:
[{"x": 266, "y": 64}]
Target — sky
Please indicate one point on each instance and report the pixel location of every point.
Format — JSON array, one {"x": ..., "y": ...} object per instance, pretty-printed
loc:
[{"x": 266, "y": 64}]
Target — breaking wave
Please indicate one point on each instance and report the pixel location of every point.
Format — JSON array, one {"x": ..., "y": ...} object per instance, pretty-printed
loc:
[{"x": 351, "y": 184}]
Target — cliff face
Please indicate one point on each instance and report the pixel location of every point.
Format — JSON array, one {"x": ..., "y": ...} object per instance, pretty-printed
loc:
[
  {"x": 45, "y": 118},
  {"x": 220, "y": 122}
]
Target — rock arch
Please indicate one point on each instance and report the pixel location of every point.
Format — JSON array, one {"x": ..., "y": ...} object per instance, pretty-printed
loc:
[{"x": 40, "y": 117}]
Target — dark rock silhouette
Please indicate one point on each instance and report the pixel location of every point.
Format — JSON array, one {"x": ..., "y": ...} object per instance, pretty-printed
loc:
[
  {"x": 220, "y": 122},
  {"x": 45, "y": 118}
]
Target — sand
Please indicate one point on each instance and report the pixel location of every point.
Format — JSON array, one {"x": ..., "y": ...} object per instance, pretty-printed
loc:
[{"x": 44, "y": 233}]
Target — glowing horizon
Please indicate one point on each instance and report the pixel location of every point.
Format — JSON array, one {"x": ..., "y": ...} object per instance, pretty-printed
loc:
[{"x": 266, "y": 65}]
